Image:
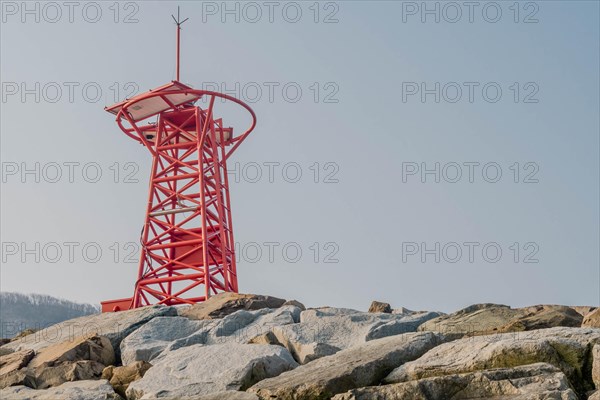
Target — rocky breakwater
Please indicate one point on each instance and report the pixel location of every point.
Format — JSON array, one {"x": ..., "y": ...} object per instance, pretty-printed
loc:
[{"x": 251, "y": 347}]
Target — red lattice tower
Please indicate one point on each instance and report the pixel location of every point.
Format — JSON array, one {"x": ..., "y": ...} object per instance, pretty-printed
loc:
[{"x": 187, "y": 241}]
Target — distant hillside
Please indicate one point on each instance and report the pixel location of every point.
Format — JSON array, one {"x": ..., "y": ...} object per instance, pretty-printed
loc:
[{"x": 21, "y": 311}]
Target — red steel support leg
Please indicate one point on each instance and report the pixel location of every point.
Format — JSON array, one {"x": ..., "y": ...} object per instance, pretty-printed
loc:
[{"x": 187, "y": 244}]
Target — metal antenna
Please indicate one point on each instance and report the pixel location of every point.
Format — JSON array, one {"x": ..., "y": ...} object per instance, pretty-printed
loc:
[
  {"x": 179, "y": 22},
  {"x": 187, "y": 246}
]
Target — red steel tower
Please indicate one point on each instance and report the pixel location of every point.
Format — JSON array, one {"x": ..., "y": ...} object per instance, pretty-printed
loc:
[{"x": 187, "y": 241}]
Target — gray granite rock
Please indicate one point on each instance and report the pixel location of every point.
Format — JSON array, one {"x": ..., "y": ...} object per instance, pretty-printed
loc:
[
  {"x": 359, "y": 366},
  {"x": 222, "y": 304},
  {"x": 164, "y": 334},
  {"x": 120, "y": 377},
  {"x": 148, "y": 341},
  {"x": 565, "y": 348},
  {"x": 115, "y": 326},
  {"x": 80, "y": 390},
  {"x": 201, "y": 369},
  {"x": 325, "y": 331},
  {"x": 485, "y": 319},
  {"x": 93, "y": 348},
  {"x": 10, "y": 364},
  {"x": 534, "y": 381},
  {"x": 45, "y": 376}
]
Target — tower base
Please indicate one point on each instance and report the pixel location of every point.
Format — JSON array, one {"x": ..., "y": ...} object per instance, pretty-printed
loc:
[{"x": 116, "y": 305}]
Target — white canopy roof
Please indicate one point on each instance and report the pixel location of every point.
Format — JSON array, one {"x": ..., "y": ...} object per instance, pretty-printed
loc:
[{"x": 153, "y": 105}]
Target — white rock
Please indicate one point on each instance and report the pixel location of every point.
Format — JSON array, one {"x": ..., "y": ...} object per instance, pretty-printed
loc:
[
  {"x": 162, "y": 335},
  {"x": 79, "y": 390},
  {"x": 200, "y": 369},
  {"x": 402, "y": 310},
  {"x": 325, "y": 331},
  {"x": 238, "y": 327},
  {"x": 533, "y": 381},
  {"x": 489, "y": 318},
  {"x": 355, "y": 367},
  {"x": 565, "y": 348},
  {"x": 314, "y": 314},
  {"x": 225, "y": 303},
  {"x": 408, "y": 323},
  {"x": 152, "y": 338},
  {"x": 115, "y": 326},
  {"x": 243, "y": 325}
]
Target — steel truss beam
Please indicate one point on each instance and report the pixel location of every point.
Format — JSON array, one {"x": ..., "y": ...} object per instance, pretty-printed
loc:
[{"x": 187, "y": 242}]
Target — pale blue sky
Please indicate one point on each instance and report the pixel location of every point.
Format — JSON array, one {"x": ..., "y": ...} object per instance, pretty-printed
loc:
[{"x": 363, "y": 61}]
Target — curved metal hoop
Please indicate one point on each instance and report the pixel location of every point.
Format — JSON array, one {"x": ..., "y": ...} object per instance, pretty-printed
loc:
[{"x": 123, "y": 114}]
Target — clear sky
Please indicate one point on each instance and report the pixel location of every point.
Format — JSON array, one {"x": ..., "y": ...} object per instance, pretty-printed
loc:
[{"x": 448, "y": 152}]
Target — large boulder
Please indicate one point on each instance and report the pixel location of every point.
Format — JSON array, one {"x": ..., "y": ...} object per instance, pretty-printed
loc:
[
  {"x": 80, "y": 390},
  {"x": 583, "y": 310},
  {"x": 16, "y": 378},
  {"x": 592, "y": 320},
  {"x": 265, "y": 338},
  {"x": 325, "y": 331},
  {"x": 45, "y": 376},
  {"x": 14, "y": 361},
  {"x": 115, "y": 326},
  {"x": 379, "y": 307},
  {"x": 10, "y": 368},
  {"x": 200, "y": 369},
  {"x": 121, "y": 377},
  {"x": 403, "y": 311},
  {"x": 93, "y": 347},
  {"x": 171, "y": 333},
  {"x": 148, "y": 341},
  {"x": 485, "y": 319},
  {"x": 544, "y": 316},
  {"x": 243, "y": 325},
  {"x": 222, "y": 304},
  {"x": 72, "y": 360},
  {"x": 534, "y": 381},
  {"x": 565, "y": 348},
  {"x": 355, "y": 367},
  {"x": 295, "y": 303},
  {"x": 481, "y": 318}
]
